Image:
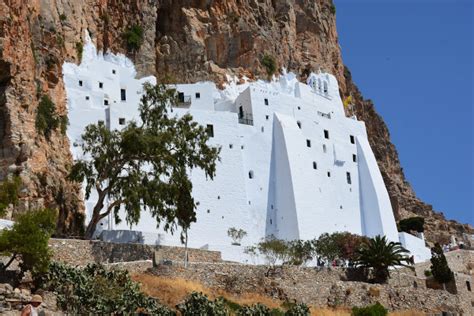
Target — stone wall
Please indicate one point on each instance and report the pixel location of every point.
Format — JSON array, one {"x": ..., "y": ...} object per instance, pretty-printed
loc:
[
  {"x": 321, "y": 287},
  {"x": 13, "y": 300},
  {"x": 81, "y": 252}
]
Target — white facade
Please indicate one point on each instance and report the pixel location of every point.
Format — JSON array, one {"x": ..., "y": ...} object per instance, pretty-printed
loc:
[{"x": 292, "y": 164}]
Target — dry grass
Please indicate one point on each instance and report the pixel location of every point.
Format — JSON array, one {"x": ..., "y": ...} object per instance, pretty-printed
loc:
[{"x": 172, "y": 291}]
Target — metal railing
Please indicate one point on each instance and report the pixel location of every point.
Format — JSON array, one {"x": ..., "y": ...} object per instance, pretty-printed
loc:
[
  {"x": 245, "y": 118},
  {"x": 184, "y": 101}
]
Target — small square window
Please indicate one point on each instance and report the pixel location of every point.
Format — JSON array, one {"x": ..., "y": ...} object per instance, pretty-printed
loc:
[
  {"x": 348, "y": 176},
  {"x": 231, "y": 146},
  {"x": 101, "y": 85},
  {"x": 250, "y": 174},
  {"x": 352, "y": 139},
  {"x": 198, "y": 95},
  {"x": 122, "y": 121},
  {"x": 315, "y": 165},
  {"x": 308, "y": 143},
  {"x": 299, "y": 108},
  {"x": 326, "y": 134},
  {"x": 210, "y": 130},
  {"x": 354, "y": 158},
  {"x": 329, "y": 174},
  {"x": 267, "y": 117},
  {"x": 80, "y": 83},
  {"x": 106, "y": 102},
  {"x": 266, "y": 101},
  {"x": 87, "y": 97},
  {"x": 123, "y": 94},
  {"x": 242, "y": 147},
  {"x": 113, "y": 71}
]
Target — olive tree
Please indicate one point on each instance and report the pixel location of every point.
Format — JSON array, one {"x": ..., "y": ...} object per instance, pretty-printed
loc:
[
  {"x": 236, "y": 234},
  {"x": 146, "y": 164}
]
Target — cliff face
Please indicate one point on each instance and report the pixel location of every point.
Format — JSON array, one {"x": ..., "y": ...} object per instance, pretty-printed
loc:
[{"x": 187, "y": 40}]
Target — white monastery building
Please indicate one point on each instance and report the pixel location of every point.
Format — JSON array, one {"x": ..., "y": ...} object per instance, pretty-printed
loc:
[{"x": 292, "y": 164}]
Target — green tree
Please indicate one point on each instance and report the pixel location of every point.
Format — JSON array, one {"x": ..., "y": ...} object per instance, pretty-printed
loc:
[
  {"x": 270, "y": 64},
  {"x": 300, "y": 251},
  {"x": 412, "y": 224},
  {"x": 133, "y": 37},
  {"x": 327, "y": 247},
  {"x": 439, "y": 265},
  {"x": 376, "y": 309},
  {"x": 145, "y": 165},
  {"x": 380, "y": 254},
  {"x": 273, "y": 250},
  {"x": 28, "y": 239},
  {"x": 254, "y": 310},
  {"x": 9, "y": 190}
]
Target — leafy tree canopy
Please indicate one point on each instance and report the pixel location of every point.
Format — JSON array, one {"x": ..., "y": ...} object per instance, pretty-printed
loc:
[
  {"x": 145, "y": 165},
  {"x": 439, "y": 265},
  {"x": 28, "y": 239},
  {"x": 412, "y": 224}
]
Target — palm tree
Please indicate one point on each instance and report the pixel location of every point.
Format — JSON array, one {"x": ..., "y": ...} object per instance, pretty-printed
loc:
[{"x": 380, "y": 254}]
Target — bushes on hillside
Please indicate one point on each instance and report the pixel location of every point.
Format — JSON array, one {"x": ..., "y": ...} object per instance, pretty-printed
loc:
[
  {"x": 199, "y": 304},
  {"x": 270, "y": 64},
  {"x": 95, "y": 290},
  {"x": 412, "y": 224},
  {"x": 46, "y": 118},
  {"x": 9, "y": 190},
  {"x": 133, "y": 37},
  {"x": 27, "y": 241},
  {"x": 376, "y": 309}
]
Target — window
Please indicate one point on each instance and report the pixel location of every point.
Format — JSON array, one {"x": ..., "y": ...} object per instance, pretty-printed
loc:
[
  {"x": 326, "y": 134},
  {"x": 324, "y": 148},
  {"x": 123, "y": 94},
  {"x": 198, "y": 95},
  {"x": 266, "y": 101},
  {"x": 325, "y": 87},
  {"x": 299, "y": 108},
  {"x": 251, "y": 174},
  {"x": 354, "y": 158},
  {"x": 267, "y": 117},
  {"x": 210, "y": 130},
  {"x": 299, "y": 124},
  {"x": 308, "y": 143},
  {"x": 122, "y": 121},
  {"x": 352, "y": 139},
  {"x": 242, "y": 147},
  {"x": 329, "y": 174},
  {"x": 87, "y": 97},
  {"x": 80, "y": 83},
  {"x": 101, "y": 85},
  {"x": 263, "y": 129},
  {"x": 348, "y": 176},
  {"x": 113, "y": 71},
  {"x": 106, "y": 102},
  {"x": 231, "y": 146},
  {"x": 181, "y": 97},
  {"x": 315, "y": 165}
]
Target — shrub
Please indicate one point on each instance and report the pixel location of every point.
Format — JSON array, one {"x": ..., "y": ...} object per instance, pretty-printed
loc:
[
  {"x": 46, "y": 118},
  {"x": 9, "y": 190},
  {"x": 376, "y": 309},
  {"x": 412, "y": 223},
  {"x": 79, "y": 49},
  {"x": 94, "y": 290},
  {"x": 269, "y": 62},
  {"x": 299, "y": 309},
  {"x": 236, "y": 235},
  {"x": 62, "y": 17},
  {"x": 428, "y": 273},
  {"x": 133, "y": 37},
  {"x": 254, "y": 310},
  {"x": 28, "y": 241},
  {"x": 332, "y": 8},
  {"x": 199, "y": 304}
]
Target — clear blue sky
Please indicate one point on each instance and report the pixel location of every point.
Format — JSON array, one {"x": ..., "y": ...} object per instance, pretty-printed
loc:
[{"x": 414, "y": 59}]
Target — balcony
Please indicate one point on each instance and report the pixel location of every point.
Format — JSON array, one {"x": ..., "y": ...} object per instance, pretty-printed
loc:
[
  {"x": 184, "y": 101},
  {"x": 245, "y": 118}
]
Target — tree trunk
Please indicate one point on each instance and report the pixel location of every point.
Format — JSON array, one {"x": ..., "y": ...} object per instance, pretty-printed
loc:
[{"x": 96, "y": 216}]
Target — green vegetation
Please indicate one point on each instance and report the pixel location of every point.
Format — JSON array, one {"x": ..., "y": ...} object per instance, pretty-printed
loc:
[
  {"x": 379, "y": 254},
  {"x": 298, "y": 309},
  {"x": 376, "y": 309},
  {"x": 95, "y": 290},
  {"x": 439, "y": 265},
  {"x": 28, "y": 241},
  {"x": 168, "y": 145},
  {"x": 412, "y": 224},
  {"x": 79, "y": 49},
  {"x": 46, "y": 118},
  {"x": 236, "y": 235},
  {"x": 332, "y": 8},
  {"x": 254, "y": 310},
  {"x": 62, "y": 17},
  {"x": 9, "y": 190},
  {"x": 270, "y": 64},
  {"x": 133, "y": 37},
  {"x": 199, "y": 304}
]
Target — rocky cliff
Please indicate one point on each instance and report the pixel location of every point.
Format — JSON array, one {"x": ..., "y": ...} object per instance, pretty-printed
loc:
[{"x": 187, "y": 40}]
